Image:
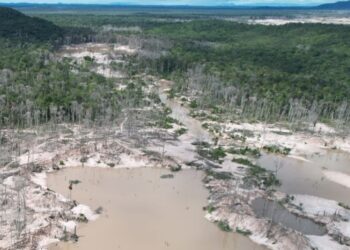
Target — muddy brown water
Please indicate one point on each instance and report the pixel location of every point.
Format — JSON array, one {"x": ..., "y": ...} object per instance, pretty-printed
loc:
[
  {"x": 278, "y": 214},
  {"x": 143, "y": 211},
  {"x": 301, "y": 177}
]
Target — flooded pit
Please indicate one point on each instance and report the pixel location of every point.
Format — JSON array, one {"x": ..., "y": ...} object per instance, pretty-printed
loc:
[
  {"x": 334, "y": 160},
  {"x": 308, "y": 177},
  {"x": 141, "y": 210},
  {"x": 273, "y": 211}
]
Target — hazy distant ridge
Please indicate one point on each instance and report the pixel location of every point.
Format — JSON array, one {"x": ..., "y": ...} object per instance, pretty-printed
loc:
[
  {"x": 338, "y": 5},
  {"x": 55, "y": 7}
]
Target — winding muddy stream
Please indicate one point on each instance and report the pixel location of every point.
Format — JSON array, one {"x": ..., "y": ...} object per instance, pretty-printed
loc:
[
  {"x": 143, "y": 211},
  {"x": 310, "y": 176}
]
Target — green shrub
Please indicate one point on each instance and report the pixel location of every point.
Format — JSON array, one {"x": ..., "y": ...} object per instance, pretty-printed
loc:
[
  {"x": 243, "y": 161},
  {"x": 243, "y": 232},
  {"x": 175, "y": 168},
  {"x": 171, "y": 93},
  {"x": 193, "y": 104},
  {"x": 224, "y": 226},
  {"x": 180, "y": 131},
  {"x": 111, "y": 164},
  {"x": 217, "y": 153},
  {"x": 210, "y": 208},
  {"x": 82, "y": 218}
]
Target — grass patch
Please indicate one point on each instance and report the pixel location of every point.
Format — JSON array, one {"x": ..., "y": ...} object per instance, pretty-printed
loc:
[
  {"x": 243, "y": 161},
  {"x": 213, "y": 118},
  {"x": 167, "y": 122},
  {"x": 201, "y": 144},
  {"x": 214, "y": 154},
  {"x": 277, "y": 150},
  {"x": 245, "y": 151},
  {"x": 219, "y": 175},
  {"x": 216, "y": 109},
  {"x": 238, "y": 137}
]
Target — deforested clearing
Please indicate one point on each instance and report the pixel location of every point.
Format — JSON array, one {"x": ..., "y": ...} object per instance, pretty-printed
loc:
[{"x": 197, "y": 128}]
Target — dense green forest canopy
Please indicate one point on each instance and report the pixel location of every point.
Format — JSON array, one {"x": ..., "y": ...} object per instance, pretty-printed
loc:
[
  {"x": 37, "y": 85},
  {"x": 15, "y": 25},
  {"x": 291, "y": 61}
]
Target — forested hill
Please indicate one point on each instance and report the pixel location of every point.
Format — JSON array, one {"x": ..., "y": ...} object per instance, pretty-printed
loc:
[
  {"x": 15, "y": 25},
  {"x": 336, "y": 6}
]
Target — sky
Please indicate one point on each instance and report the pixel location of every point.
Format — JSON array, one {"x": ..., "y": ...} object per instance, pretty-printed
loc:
[{"x": 181, "y": 2}]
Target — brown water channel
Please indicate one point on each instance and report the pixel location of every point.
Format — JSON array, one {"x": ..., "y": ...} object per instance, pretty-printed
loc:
[{"x": 307, "y": 177}]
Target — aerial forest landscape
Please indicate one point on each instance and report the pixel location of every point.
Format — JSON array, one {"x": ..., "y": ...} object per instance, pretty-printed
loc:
[{"x": 180, "y": 125}]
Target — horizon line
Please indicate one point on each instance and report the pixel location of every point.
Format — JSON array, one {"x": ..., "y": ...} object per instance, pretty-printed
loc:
[{"x": 258, "y": 5}]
